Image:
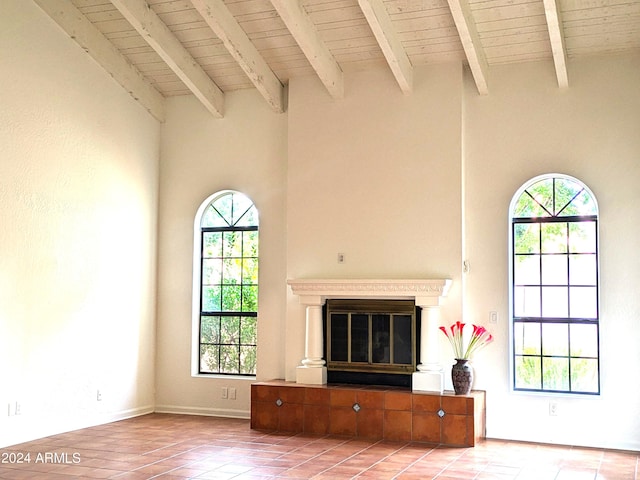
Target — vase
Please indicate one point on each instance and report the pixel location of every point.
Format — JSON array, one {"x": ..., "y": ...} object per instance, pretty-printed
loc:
[{"x": 462, "y": 376}]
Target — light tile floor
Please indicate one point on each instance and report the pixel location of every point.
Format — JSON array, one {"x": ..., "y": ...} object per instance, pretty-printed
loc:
[{"x": 163, "y": 446}]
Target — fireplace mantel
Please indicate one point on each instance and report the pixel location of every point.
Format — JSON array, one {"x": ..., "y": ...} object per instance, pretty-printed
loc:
[{"x": 427, "y": 293}]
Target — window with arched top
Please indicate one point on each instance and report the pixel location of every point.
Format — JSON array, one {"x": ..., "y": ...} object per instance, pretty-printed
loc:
[
  {"x": 226, "y": 292},
  {"x": 554, "y": 287}
]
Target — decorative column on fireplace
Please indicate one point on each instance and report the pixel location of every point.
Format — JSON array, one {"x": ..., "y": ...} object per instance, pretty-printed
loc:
[{"x": 427, "y": 293}]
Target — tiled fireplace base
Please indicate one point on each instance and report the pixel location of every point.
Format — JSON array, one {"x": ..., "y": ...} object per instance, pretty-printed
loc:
[{"x": 369, "y": 412}]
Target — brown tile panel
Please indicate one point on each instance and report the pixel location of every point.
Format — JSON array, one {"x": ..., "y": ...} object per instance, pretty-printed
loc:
[
  {"x": 316, "y": 396},
  {"x": 425, "y": 427},
  {"x": 423, "y": 402},
  {"x": 390, "y": 414},
  {"x": 368, "y": 399},
  {"x": 397, "y": 425},
  {"x": 454, "y": 430},
  {"x": 397, "y": 401},
  {"x": 343, "y": 421},
  {"x": 370, "y": 423},
  {"x": 317, "y": 419},
  {"x": 342, "y": 397}
]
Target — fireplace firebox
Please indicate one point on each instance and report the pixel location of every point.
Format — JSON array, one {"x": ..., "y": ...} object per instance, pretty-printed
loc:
[{"x": 373, "y": 342}]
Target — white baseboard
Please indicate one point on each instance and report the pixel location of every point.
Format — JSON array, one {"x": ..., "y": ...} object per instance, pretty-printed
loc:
[{"x": 210, "y": 412}]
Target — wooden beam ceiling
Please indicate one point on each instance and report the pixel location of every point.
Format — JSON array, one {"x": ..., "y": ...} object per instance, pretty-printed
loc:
[
  {"x": 304, "y": 31},
  {"x": 92, "y": 41},
  {"x": 378, "y": 18},
  {"x": 556, "y": 36},
  {"x": 216, "y": 14},
  {"x": 470, "y": 43},
  {"x": 163, "y": 41}
]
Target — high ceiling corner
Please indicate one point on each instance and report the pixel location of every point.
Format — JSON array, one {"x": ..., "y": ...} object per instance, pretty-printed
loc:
[{"x": 161, "y": 48}]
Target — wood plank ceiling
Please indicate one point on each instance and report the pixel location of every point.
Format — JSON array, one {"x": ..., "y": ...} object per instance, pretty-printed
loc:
[{"x": 161, "y": 48}]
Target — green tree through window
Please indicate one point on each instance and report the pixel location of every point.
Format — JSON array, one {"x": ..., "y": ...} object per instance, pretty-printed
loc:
[
  {"x": 228, "y": 285},
  {"x": 554, "y": 288}
]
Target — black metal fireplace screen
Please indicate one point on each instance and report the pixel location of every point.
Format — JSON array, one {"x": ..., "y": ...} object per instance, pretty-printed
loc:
[{"x": 370, "y": 341}]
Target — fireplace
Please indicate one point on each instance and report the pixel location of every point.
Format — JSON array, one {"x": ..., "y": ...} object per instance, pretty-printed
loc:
[
  {"x": 425, "y": 293},
  {"x": 371, "y": 342}
]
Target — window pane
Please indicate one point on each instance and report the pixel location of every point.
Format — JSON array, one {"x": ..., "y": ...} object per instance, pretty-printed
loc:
[
  {"x": 229, "y": 359},
  {"x": 584, "y": 302},
  {"x": 584, "y": 375},
  {"x": 555, "y": 373},
  {"x": 528, "y": 207},
  {"x": 526, "y": 270},
  {"x": 583, "y": 204},
  {"x": 554, "y": 270},
  {"x": 582, "y": 237},
  {"x": 526, "y": 301},
  {"x": 232, "y": 244},
  {"x": 212, "y": 218},
  {"x": 249, "y": 299},
  {"x": 210, "y": 329},
  {"x": 211, "y": 271},
  {"x": 542, "y": 192},
  {"x": 230, "y": 330},
  {"x": 584, "y": 340},
  {"x": 248, "y": 331},
  {"x": 526, "y": 337},
  {"x": 249, "y": 218},
  {"x": 565, "y": 191},
  {"x": 212, "y": 244},
  {"x": 231, "y": 298},
  {"x": 211, "y": 299},
  {"x": 241, "y": 205},
  {"x": 554, "y": 237},
  {"x": 381, "y": 341},
  {"x": 250, "y": 244},
  {"x": 555, "y": 302},
  {"x": 232, "y": 274},
  {"x": 402, "y": 339},
  {"x": 339, "y": 336},
  {"x": 528, "y": 372},
  {"x": 555, "y": 339},
  {"x": 247, "y": 360},
  {"x": 209, "y": 358},
  {"x": 250, "y": 270},
  {"x": 359, "y": 338},
  {"x": 583, "y": 269},
  {"x": 526, "y": 238}
]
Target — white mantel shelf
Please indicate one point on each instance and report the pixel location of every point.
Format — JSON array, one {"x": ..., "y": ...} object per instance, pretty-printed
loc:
[{"x": 424, "y": 291}]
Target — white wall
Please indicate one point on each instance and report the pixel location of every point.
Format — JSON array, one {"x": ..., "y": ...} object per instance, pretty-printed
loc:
[
  {"x": 201, "y": 155},
  {"x": 78, "y": 203},
  {"x": 526, "y": 126},
  {"x": 375, "y": 176}
]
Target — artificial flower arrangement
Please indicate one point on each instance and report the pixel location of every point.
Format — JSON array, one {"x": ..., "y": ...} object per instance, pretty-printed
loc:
[{"x": 479, "y": 338}]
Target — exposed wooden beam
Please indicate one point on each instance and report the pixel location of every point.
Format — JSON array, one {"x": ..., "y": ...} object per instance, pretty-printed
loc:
[
  {"x": 216, "y": 14},
  {"x": 304, "y": 31},
  {"x": 92, "y": 41},
  {"x": 376, "y": 14},
  {"x": 163, "y": 41},
  {"x": 470, "y": 42},
  {"x": 556, "y": 37}
]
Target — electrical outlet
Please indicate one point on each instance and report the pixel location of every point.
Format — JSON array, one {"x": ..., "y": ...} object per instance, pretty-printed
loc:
[
  {"x": 553, "y": 409},
  {"x": 98, "y": 396},
  {"x": 341, "y": 258},
  {"x": 225, "y": 392},
  {"x": 18, "y": 410},
  {"x": 232, "y": 393},
  {"x": 493, "y": 317}
]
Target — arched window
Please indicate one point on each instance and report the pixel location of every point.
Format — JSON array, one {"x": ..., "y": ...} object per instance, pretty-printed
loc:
[
  {"x": 554, "y": 287},
  {"x": 227, "y": 285}
]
